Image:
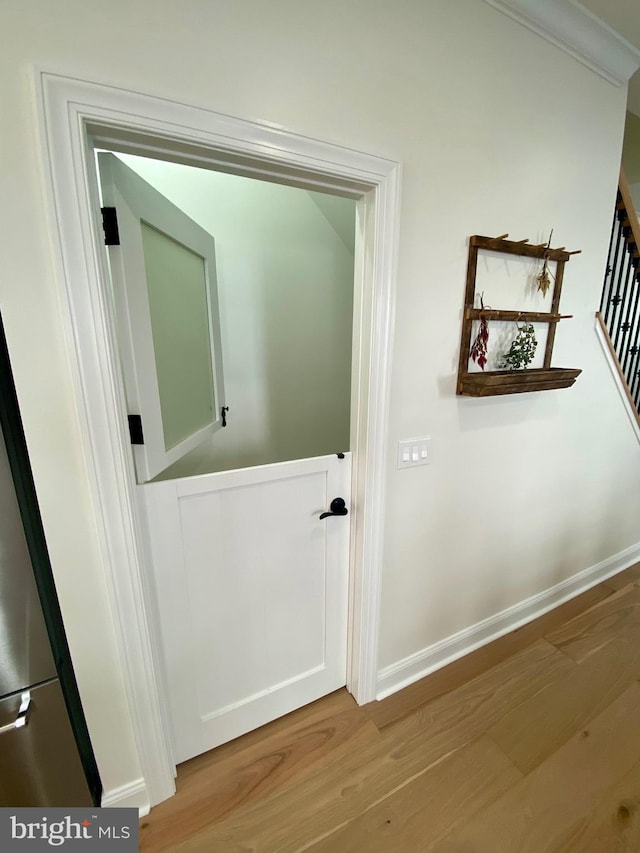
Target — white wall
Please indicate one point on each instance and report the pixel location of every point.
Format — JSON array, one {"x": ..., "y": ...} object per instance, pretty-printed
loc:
[
  {"x": 285, "y": 286},
  {"x": 497, "y": 131}
]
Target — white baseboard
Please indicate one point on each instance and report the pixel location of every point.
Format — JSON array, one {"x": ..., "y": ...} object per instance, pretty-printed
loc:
[
  {"x": 418, "y": 665},
  {"x": 134, "y": 795}
]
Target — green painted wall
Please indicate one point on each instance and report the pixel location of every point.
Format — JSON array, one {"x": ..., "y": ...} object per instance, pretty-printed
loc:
[
  {"x": 631, "y": 148},
  {"x": 631, "y": 156}
]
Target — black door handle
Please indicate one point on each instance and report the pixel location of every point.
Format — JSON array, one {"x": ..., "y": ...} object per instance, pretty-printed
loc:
[{"x": 337, "y": 507}]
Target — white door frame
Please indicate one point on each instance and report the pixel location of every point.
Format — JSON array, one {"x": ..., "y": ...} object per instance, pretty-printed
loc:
[{"x": 70, "y": 112}]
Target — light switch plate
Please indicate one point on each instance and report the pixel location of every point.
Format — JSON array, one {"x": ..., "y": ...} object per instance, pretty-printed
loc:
[{"x": 414, "y": 451}]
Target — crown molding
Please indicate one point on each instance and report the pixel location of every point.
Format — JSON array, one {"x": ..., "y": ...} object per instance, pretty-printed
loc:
[{"x": 577, "y": 31}]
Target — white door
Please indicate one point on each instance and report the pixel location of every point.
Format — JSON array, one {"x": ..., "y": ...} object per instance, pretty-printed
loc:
[
  {"x": 166, "y": 302},
  {"x": 252, "y": 589},
  {"x": 251, "y": 581}
]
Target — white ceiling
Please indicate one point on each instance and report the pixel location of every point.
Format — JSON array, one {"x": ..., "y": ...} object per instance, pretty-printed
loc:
[{"x": 623, "y": 16}]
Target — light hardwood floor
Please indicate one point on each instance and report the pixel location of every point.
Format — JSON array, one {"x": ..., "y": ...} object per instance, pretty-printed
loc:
[{"x": 529, "y": 745}]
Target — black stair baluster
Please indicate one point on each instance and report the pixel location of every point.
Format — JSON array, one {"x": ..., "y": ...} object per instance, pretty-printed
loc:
[
  {"x": 606, "y": 291},
  {"x": 632, "y": 359},
  {"x": 634, "y": 323},
  {"x": 614, "y": 274},
  {"x": 633, "y": 371},
  {"x": 625, "y": 304}
]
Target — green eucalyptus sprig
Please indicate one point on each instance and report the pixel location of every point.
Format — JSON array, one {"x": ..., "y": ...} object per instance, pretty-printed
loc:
[{"x": 522, "y": 349}]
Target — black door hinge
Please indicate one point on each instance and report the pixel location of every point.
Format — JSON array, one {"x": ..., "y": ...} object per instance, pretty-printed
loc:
[
  {"x": 110, "y": 226},
  {"x": 135, "y": 429}
]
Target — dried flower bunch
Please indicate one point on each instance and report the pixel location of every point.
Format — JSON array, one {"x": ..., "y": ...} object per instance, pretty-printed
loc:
[
  {"x": 544, "y": 278},
  {"x": 522, "y": 349},
  {"x": 479, "y": 347}
]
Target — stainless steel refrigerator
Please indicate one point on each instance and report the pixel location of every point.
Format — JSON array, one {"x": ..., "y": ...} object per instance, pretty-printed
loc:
[{"x": 45, "y": 753}]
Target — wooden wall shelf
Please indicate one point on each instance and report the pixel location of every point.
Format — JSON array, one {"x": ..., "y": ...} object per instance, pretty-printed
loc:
[
  {"x": 517, "y": 381},
  {"x": 494, "y": 382}
]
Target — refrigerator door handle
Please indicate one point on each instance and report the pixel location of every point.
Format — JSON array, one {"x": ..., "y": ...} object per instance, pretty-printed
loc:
[{"x": 23, "y": 714}]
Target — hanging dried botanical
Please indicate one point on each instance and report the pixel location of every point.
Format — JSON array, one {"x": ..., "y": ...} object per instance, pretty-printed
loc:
[
  {"x": 479, "y": 348},
  {"x": 544, "y": 278},
  {"x": 522, "y": 349}
]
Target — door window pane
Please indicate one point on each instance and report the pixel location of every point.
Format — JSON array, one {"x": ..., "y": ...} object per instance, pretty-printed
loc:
[{"x": 178, "y": 303}]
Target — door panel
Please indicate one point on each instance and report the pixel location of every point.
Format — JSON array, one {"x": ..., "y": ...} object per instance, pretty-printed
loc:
[
  {"x": 252, "y": 589},
  {"x": 165, "y": 295},
  {"x": 261, "y": 574}
]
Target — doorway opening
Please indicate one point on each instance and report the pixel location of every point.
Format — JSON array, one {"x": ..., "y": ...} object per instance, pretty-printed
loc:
[
  {"x": 234, "y": 310},
  {"x": 76, "y": 115},
  {"x": 280, "y": 299}
]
